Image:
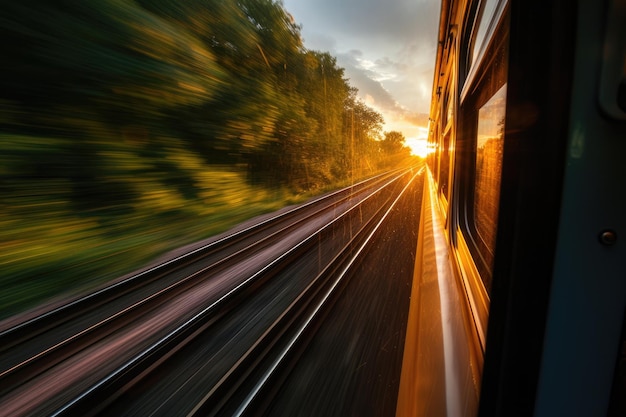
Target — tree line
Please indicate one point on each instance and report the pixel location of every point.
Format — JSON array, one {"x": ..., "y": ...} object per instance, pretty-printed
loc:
[{"x": 229, "y": 80}]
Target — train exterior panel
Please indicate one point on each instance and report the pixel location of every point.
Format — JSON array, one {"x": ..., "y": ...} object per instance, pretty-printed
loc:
[{"x": 519, "y": 295}]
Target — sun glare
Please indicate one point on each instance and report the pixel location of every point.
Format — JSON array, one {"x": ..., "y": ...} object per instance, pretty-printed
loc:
[{"x": 419, "y": 147}]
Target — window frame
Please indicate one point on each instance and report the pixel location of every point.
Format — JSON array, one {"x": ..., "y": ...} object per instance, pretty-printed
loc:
[{"x": 475, "y": 92}]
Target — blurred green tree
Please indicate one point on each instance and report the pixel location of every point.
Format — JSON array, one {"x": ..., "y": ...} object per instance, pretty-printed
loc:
[
  {"x": 107, "y": 59},
  {"x": 393, "y": 143}
]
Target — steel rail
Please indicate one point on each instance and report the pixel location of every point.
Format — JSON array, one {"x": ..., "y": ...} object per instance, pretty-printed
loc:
[
  {"x": 278, "y": 328},
  {"x": 249, "y": 399},
  {"x": 43, "y": 357},
  {"x": 221, "y": 391},
  {"x": 8, "y": 336},
  {"x": 174, "y": 338}
]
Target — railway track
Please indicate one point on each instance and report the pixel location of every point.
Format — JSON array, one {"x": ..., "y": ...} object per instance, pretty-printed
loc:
[{"x": 90, "y": 356}]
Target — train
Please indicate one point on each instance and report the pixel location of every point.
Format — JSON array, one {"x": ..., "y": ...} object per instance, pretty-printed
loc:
[{"x": 519, "y": 291}]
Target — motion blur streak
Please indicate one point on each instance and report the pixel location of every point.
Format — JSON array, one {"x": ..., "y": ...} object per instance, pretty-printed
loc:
[{"x": 128, "y": 128}]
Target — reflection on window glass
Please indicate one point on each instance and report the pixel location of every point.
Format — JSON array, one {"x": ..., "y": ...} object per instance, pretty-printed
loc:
[
  {"x": 444, "y": 168},
  {"x": 489, "y": 9},
  {"x": 489, "y": 146}
]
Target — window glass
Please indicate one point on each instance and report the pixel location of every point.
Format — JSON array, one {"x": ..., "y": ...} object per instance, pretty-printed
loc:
[
  {"x": 489, "y": 147},
  {"x": 449, "y": 111},
  {"x": 487, "y": 13},
  {"x": 444, "y": 168},
  {"x": 432, "y": 147}
]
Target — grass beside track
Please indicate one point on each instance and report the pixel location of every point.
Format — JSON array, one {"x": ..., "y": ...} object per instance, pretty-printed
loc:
[
  {"x": 139, "y": 205},
  {"x": 48, "y": 249},
  {"x": 73, "y": 217}
]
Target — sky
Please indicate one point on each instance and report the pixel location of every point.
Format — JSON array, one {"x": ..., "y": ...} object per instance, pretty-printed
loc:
[{"x": 387, "y": 48}]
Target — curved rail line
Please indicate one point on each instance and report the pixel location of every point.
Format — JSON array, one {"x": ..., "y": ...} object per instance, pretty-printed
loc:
[
  {"x": 100, "y": 392},
  {"x": 340, "y": 268},
  {"x": 32, "y": 328},
  {"x": 9, "y": 335},
  {"x": 275, "y": 342},
  {"x": 52, "y": 355}
]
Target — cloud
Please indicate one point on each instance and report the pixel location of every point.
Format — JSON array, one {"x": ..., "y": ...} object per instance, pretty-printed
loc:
[
  {"x": 378, "y": 22},
  {"x": 418, "y": 119},
  {"x": 393, "y": 20},
  {"x": 387, "y": 49},
  {"x": 364, "y": 77},
  {"x": 320, "y": 42},
  {"x": 371, "y": 79}
]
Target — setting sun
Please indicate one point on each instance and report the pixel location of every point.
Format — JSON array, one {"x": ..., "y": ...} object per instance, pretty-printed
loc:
[{"x": 418, "y": 146}]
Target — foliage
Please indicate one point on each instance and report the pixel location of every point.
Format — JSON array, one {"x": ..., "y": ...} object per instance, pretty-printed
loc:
[{"x": 116, "y": 115}]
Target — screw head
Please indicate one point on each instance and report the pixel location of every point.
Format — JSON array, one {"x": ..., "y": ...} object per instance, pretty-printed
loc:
[{"x": 608, "y": 237}]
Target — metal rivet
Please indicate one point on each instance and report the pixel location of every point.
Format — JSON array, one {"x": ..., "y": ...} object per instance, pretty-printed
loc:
[{"x": 608, "y": 237}]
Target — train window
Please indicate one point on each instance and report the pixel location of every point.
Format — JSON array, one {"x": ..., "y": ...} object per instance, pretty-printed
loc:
[
  {"x": 444, "y": 168},
  {"x": 489, "y": 146},
  {"x": 482, "y": 137},
  {"x": 489, "y": 15},
  {"x": 432, "y": 146},
  {"x": 446, "y": 115}
]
